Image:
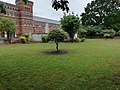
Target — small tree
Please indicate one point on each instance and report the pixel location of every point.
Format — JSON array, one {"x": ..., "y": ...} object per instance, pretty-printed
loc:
[
  {"x": 8, "y": 26},
  {"x": 57, "y": 36},
  {"x": 70, "y": 24}
]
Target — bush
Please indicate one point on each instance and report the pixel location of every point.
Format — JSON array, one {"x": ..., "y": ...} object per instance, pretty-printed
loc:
[
  {"x": 119, "y": 32},
  {"x": 83, "y": 39},
  {"x": 26, "y": 35},
  {"x": 106, "y": 36},
  {"x": 76, "y": 39},
  {"x": 23, "y": 39},
  {"x": 45, "y": 39},
  {"x": 82, "y": 33},
  {"x": 110, "y": 32}
]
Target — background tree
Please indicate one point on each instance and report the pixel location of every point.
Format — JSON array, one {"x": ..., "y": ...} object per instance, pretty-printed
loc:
[
  {"x": 98, "y": 12},
  {"x": 8, "y": 26},
  {"x": 93, "y": 30},
  {"x": 113, "y": 20},
  {"x": 70, "y": 24},
  {"x": 2, "y": 9},
  {"x": 57, "y": 36},
  {"x": 82, "y": 32}
]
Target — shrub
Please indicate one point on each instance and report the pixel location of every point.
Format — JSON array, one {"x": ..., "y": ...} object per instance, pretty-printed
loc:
[
  {"x": 110, "y": 32},
  {"x": 83, "y": 39},
  {"x": 76, "y": 39},
  {"x": 26, "y": 35},
  {"x": 119, "y": 32},
  {"x": 45, "y": 39},
  {"x": 82, "y": 33},
  {"x": 106, "y": 36},
  {"x": 23, "y": 39}
]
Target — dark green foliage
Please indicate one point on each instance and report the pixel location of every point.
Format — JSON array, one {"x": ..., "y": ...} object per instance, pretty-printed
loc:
[
  {"x": 102, "y": 12},
  {"x": 25, "y": 1},
  {"x": 83, "y": 39},
  {"x": 2, "y": 9},
  {"x": 93, "y": 30},
  {"x": 112, "y": 21},
  {"x": 57, "y": 36},
  {"x": 76, "y": 39},
  {"x": 60, "y": 4},
  {"x": 45, "y": 39},
  {"x": 70, "y": 24}
]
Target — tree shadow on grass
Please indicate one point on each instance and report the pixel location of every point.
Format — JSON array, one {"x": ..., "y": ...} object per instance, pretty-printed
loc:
[{"x": 54, "y": 52}]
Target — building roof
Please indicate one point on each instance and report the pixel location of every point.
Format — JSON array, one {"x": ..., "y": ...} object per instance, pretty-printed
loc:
[{"x": 41, "y": 19}]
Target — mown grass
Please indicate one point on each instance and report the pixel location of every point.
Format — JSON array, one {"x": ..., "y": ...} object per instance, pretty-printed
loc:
[{"x": 91, "y": 65}]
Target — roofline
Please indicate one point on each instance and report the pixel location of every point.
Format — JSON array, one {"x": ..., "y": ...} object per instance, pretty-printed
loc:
[{"x": 58, "y": 21}]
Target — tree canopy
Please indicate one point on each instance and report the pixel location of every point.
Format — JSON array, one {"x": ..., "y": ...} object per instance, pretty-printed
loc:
[
  {"x": 70, "y": 24},
  {"x": 2, "y": 9},
  {"x": 8, "y": 26},
  {"x": 100, "y": 12},
  {"x": 57, "y": 36}
]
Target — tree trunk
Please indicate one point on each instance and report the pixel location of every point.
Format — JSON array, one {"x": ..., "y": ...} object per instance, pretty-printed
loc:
[
  {"x": 57, "y": 46},
  {"x": 9, "y": 37},
  {"x": 91, "y": 36},
  {"x": 72, "y": 39}
]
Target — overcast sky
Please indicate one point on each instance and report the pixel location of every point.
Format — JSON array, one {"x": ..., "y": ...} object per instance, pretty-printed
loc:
[{"x": 43, "y": 8}]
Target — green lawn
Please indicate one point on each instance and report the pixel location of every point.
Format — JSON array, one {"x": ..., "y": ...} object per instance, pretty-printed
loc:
[{"x": 91, "y": 65}]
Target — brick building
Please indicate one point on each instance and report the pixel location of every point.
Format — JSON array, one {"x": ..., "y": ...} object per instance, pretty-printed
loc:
[{"x": 22, "y": 14}]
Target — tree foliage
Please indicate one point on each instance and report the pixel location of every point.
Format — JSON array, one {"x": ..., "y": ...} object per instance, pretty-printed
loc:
[
  {"x": 93, "y": 30},
  {"x": 60, "y": 4},
  {"x": 113, "y": 20},
  {"x": 100, "y": 12},
  {"x": 82, "y": 32},
  {"x": 57, "y": 36},
  {"x": 2, "y": 9},
  {"x": 70, "y": 24},
  {"x": 8, "y": 26}
]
